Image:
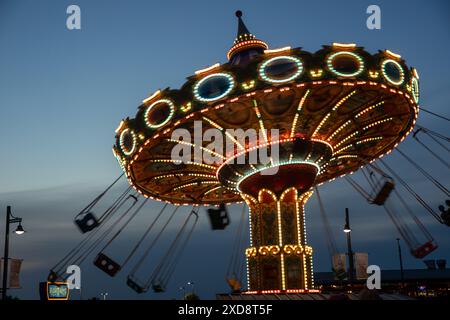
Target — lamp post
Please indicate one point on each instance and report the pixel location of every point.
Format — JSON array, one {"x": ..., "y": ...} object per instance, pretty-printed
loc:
[
  {"x": 19, "y": 230},
  {"x": 401, "y": 262},
  {"x": 347, "y": 231},
  {"x": 183, "y": 290},
  {"x": 104, "y": 295},
  {"x": 190, "y": 283}
]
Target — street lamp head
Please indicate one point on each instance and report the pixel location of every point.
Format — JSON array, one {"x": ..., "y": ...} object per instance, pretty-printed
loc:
[
  {"x": 19, "y": 229},
  {"x": 347, "y": 222},
  {"x": 347, "y": 228}
]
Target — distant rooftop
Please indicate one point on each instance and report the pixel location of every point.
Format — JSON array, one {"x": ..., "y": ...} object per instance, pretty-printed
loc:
[
  {"x": 305, "y": 296},
  {"x": 394, "y": 275}
]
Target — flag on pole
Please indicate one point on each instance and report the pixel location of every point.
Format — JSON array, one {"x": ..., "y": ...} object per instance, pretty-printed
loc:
[
  {"x": 339, "y": 266},
  {"x": 14, "y": 266},
  {"x": 362, "y": 262}
]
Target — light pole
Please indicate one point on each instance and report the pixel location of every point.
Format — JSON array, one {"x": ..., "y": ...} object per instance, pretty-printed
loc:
[
  {"x": 19, "y": 230},
  {"x": 183, "y": 290},
  {"x": 190, "y": 283},
  {"x": 347, "y": 231},
  {"x": 401, "y": 262},
  {"x": 104, "y": 294}
]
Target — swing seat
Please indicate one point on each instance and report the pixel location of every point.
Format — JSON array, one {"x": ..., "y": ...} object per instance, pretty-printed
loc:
[
  {"x": 86, "y": 222},
  {"x": 234, "y": 284},
  {"x": 445, "y": 216},
  {"x": 424, "y": 249},
  {"x": 219, "y": 218},
  {"x": 107, "y": 265},
  {"x": 158, "y": 288},
  {"x": 53, "y": 276},
  {"x": 339, "y": 274},
  {"x": 135, "y": 286},
  {"x": 441, "y": 263},
  {"x": 383, "y": 193}
]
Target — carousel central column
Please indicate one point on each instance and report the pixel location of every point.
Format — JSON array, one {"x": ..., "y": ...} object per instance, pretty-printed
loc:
[{"x": 278, "y": 257}]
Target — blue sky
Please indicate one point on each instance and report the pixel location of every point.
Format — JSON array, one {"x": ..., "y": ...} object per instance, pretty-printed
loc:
[{"x": 62, "y": 94}]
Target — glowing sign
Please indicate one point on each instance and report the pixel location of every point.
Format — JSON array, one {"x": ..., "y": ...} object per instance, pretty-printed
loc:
[{"x": 57, "y": 291}]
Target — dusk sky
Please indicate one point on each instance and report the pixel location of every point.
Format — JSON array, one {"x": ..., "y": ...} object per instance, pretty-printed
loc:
[{"x": 63, "y": 93}]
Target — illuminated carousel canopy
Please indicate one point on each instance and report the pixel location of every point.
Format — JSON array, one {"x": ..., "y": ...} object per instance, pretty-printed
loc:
[
  {"x": 348, "y": 106},
  {"x": 325, "y": 113}
]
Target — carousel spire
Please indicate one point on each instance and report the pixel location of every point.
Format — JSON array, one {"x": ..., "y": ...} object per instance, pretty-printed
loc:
[
  {"x": 242, "y": 28},
  {"x": 245, "y": 46}
]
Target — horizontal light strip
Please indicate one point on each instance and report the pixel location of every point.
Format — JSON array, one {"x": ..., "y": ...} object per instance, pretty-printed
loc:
[
  {"x": 277, "y": 50},
  {"x": 207, "y": 68},
  {"x": 193, "y": 145},
  {"x": 273, "y": 166}
]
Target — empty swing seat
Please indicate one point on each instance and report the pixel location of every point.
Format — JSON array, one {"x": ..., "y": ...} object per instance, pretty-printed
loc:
[
  {"x": 106, "y": 264},
  {"x": 158, "y": 287},
  {"x": 339, "y": 274},
  {"x": 445, "y": 216},
  {"x": 135, "y": 286},
  {"x": 234, "y": 284},
  {"x": 424, "y": 249},
  {"x": 383, "y": 193},
  {"x": 219, "y": 218},
  {"x": 53, "y": 276},
  {"x": 86, "y": 222}
]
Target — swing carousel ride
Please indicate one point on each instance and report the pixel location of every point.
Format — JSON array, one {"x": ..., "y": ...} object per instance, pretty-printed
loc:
[{"x": 336, "y": 110}]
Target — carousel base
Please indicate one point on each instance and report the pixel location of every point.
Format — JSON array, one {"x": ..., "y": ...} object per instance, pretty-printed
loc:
[
  {"x": 289, "y": 291},
  {"x": 279, "y": 258},
  {"x": 313, "y": 295}
]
